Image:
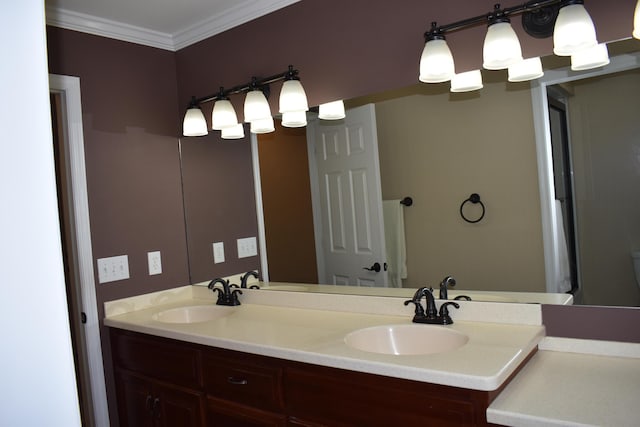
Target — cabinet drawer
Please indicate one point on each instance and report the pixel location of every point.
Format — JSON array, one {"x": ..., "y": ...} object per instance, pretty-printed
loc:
[
  {"x": 221, "y": 413},
  {"x": 167, "y": 360},
  {"x": 248, "y": 380}
]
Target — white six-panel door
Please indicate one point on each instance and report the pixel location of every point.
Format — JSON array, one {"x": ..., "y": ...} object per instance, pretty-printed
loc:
[{"x": 350, "y": 199}]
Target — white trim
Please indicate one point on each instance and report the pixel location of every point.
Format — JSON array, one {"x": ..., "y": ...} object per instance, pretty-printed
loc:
[
  {"x": 257, "y": 184},
  {"x": 70, "y": 20},
  {"x": 543, "y": 150},
  {"x": 70, "y": 88},
  {"x": 316, "y": 206},
  {"x": 216, "y": 24}
]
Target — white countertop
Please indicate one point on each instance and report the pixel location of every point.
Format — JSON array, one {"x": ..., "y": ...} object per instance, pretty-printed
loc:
[
  {"x": 311, "y": 335},
  {"x": 559, "y": 387}
]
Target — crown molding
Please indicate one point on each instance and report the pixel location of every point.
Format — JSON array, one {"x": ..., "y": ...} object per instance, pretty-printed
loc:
[
  {"x": 238, "y": 15},
  {"x": 107, "y": 28}
]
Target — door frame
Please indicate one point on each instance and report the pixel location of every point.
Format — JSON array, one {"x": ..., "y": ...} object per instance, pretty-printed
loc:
[
  {"x": 544, "y": 156},
  {"x": 69, "y": 88}
]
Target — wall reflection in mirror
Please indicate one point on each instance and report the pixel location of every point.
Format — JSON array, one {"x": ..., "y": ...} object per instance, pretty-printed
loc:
[{"x": 439, "y": 147}]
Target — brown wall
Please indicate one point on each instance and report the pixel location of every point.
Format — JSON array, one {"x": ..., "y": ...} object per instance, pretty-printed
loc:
[{"x": 286, "y": 198}]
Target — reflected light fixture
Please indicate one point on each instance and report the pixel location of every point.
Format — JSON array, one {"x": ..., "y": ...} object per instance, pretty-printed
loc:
[
  {"x": 501, "y": 45},
  {"x": 332, "y": 110},
  {"x": 592, "y": 57},
  {"x": 436, "y": 62},
  {"x": 294, "y": 119},
  {"x": 467, "y": 81},
  {"x": 574, "y": 29},
  {"x": 636, "y": 21},
  {"x": 527, "y": 69},
  {"x": 256, "y": 107},
  {"x": 194, "y": 123},
  {"x": 233, "y": 132}
]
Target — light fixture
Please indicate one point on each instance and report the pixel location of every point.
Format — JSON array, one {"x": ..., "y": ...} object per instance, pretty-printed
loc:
[
  {"x": 467, "y": 81},
  {"x": 436, "y": 62},
  {"x": 501, "y": 45},
  {"x": 294, "y": 119},
  {"x": 256, "y": 107},
  {"x": 574, "y": 29},
  {"x": 592, "y": 57},
  {"x": 194, "y": 123},
  {"x": 527, "y": 69},
  {"x": 223, "y": 114},
  {"x": 265, "y": 125},
  {"x": 233, "y": 132},
  {"x": 636, "y": 21},
  {"x": 332, "y": 111}
]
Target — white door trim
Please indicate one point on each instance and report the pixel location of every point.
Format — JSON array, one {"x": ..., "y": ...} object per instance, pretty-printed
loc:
[
  {"x": 69, "y": 87},
  {"x": 544, "y": 155},
  {"x": 257, "y": 185}
]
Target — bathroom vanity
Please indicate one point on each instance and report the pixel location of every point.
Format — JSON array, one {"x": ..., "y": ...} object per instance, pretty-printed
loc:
[{"x": 281, "y": 359}]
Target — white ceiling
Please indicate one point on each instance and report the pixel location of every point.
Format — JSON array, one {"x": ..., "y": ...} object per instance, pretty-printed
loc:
[{"x": 165, "y": 24}]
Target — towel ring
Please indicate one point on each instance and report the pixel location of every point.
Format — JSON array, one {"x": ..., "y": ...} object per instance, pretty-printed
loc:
[{"x": 474, "y": 198}]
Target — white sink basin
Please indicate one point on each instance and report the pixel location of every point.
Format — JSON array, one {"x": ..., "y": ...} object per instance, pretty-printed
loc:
[
  {"x": 193, "y": 314},
  {"x": 406, "y": 339}
]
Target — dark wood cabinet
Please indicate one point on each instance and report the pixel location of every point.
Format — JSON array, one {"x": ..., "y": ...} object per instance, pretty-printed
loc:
[{"x": 163, "y": 382}]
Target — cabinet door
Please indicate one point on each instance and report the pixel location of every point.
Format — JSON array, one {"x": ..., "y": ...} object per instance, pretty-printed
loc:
[
  {"x": 177, "y": 407},
  {"x": 222, "y": 413},
  {"x": 135, "y": 400}
]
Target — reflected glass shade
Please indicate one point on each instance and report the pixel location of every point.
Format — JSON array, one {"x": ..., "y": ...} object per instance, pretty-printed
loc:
[
  {"x": 332, "y": 111},
  {"x": 294, "y": 119},
  {"x": 593, "y": 57},
  {"x": 467, "y": 82},
  {"x": 436, "y": 62},
  {"x": 527, "y": 69},
  {"x": 574, "y": 30},
  {"x": 223, "y": 115},
  {"x": 233, "y": 132},
  {"x": 293, "y": 97},
  {"x": 263, "y": 125},
  {"x": 194, "y": 123},
  {"x": 636, "y": 21},
  {"x": 256, "y": 106},
  {"x": 501, "y": 47}
]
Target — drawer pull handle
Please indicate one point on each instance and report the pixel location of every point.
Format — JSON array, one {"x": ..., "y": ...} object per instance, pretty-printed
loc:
[{"x": 237, "y": 381}]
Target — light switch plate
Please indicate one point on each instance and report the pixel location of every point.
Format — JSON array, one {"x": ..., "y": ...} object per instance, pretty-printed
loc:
[
  {"x": 247, "y": 247},
  {"x": 155, "y": 263},
  {"x": 218, "y": 252},
  {"x": 113, "y": 268}
]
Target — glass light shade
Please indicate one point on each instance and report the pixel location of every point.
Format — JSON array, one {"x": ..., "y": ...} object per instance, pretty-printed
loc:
[
  {"x": 593, "y": 57},
  {"x": 436, "y": 62},
  {"x": 573, "y": 31},
  {"x": 256, "y": 106},
  {"x": 263, "y": 125},
  {"x": 636, "y": 21},
  {"x": 294, "y": 119},
  {"x": 332, "y": 111},
  {"x": 233, "y": 132},
  {"x": 467, "y": 81},
  {"x": 194, "y": 123},
  {"x": 527, "y": 69},
  {"x": 293, "y": 97},
  {"x": 501, "y": 47},
  {"x": 223, "y": 115}
]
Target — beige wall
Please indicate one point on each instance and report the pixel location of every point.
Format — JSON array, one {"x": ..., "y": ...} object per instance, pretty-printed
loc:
[
  {"x": 605, "y": 134},
  {"x": 439, "y": 148}
]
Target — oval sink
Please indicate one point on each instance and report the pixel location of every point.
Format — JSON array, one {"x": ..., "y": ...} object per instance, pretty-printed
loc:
[
  {"x": 193, "y": 314},
  {"x": 406, "y": 339}
]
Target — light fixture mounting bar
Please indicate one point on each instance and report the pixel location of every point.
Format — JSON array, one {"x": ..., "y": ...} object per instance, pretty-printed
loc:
[
  {"x": 253, "y": 84},
  {"x": 483, "y": 19}
]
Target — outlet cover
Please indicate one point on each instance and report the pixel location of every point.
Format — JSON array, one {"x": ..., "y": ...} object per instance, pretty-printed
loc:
[
  {"x": 155, "y": 263},
  {"x": 247, "y": 247},
  {"x": 218, "y": 252}
]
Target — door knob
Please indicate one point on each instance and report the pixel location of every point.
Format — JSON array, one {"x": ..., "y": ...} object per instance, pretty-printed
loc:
[{"x": 375, "y": 267}]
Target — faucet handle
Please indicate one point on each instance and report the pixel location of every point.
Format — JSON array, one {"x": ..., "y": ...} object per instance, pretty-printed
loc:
[
  {"x": 419, "y": 310},
  {"x": 444, "y": 312}
]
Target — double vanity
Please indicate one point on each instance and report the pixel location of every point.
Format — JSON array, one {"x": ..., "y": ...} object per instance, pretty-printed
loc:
[{"x": 317, "y": 359}]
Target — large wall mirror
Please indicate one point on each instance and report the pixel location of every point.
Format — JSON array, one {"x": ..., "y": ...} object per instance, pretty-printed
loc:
[{"x": 439, "y": 148}]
